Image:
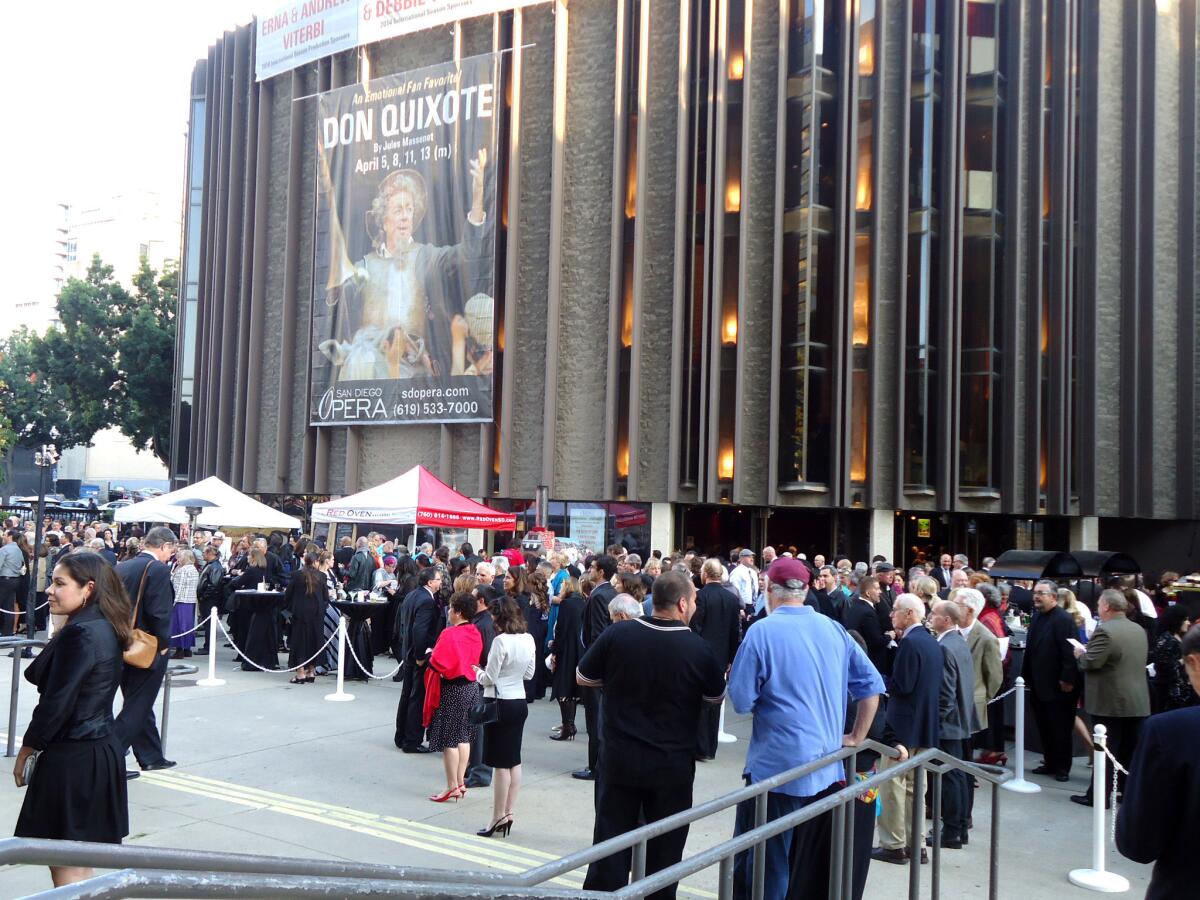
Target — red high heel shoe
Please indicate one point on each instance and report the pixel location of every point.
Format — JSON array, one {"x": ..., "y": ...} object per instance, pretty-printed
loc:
[{"x": 452, "y": 794}]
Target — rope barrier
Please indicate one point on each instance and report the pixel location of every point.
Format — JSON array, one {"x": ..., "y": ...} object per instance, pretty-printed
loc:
[
  {"x": 196, "y": 627},
  {"x": 350, "y": 647},
  {"x": 1011, "y": 690},
  {"x": 21, "y": 612},
  {"x": 246, "y": 658}
]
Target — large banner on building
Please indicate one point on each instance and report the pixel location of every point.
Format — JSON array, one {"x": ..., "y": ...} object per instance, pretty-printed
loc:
[
  {"x": 303, "y": 30},
  {"x": 404, "y": 251}
]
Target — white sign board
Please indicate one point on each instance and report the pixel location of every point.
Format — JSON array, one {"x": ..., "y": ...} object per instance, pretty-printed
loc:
[{"x": 301, "y": 32}]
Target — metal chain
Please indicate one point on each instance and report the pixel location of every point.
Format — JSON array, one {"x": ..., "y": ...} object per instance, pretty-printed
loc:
[
  {"x": 196, "y": 627},
  {"x": 245, "y": 658},
  {"x": 1112, "y": 797},
  {"x": 1011, "y": 690},
  {"x": 350, "y": 647}
]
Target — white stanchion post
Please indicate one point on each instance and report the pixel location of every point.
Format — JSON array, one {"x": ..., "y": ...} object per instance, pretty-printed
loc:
[
  {"x": 724, "y": 737},
  {"x": 340, "y": 694},
  {"x": 1017, "y": 783},
  {"x": 213, "y": 643},
  {"x": 1095, "y": 878}
]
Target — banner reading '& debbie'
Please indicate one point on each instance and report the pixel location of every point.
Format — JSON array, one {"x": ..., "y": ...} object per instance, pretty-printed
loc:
[{"x": 404, "y": 267}]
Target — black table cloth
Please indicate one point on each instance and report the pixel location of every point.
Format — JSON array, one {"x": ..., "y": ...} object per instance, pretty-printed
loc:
[
  {"x": 358, "y": 636},
  {"x": 262, "y": 633}
]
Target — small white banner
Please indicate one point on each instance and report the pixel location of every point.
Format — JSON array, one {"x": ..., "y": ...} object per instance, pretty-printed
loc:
[{"x": 301, "y": 32}]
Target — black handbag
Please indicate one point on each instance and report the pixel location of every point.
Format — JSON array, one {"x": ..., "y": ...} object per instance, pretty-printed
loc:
[{"x": 484, "y": 711}]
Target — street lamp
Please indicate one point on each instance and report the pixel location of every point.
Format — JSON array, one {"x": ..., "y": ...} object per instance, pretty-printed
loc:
[
  {"x": 45, "y": 459},
  {"x": 194, "y": 507}
]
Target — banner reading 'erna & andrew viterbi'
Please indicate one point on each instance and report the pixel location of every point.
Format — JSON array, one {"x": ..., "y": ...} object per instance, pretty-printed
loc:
[{"x": 404, "y": 251}]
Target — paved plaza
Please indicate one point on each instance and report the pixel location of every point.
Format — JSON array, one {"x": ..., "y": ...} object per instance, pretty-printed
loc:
[{"x": 269, "y": 767}]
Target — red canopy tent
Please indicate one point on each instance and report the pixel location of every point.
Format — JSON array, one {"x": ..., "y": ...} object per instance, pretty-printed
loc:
[{"x": 417, "y": 497}]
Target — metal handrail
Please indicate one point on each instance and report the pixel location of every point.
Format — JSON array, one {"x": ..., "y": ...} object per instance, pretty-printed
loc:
[
  {"x": 34, "y": 851},
  {"x": 686, "y": 817},
  {"x": 14, "y": 643},
  {"x": 932, "y": 758},
  {"x": 159, "y": 883}
]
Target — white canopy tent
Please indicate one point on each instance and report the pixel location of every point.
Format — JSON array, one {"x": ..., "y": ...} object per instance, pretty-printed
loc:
[{"x": 233, "y": 509}]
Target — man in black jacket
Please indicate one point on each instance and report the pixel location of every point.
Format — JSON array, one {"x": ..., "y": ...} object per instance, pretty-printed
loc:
[
  {"x": 210, "y": 595},
  {"x": 1051, "y": 676},
  {"x": 419, "y": 629},
  {"x": 147, "y": 580},
  {"x": 860, "y": 615},
  {"x": 1160, "y": 814},
  {"x": 717, "y": 619},
  {"x": 362, "y": 568},
  {"x": 595, "y": 620}
]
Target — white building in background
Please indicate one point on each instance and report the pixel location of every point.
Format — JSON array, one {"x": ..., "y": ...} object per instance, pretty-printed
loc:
[
  {"x": 111, "y": 461},
  {"x": 122, "y": 229}
]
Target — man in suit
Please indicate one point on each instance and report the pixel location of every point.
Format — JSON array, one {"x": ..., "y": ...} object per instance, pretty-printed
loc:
[
  {"x": 959, "y": 579},
  {"x": 1117, "y": 694},
  {"x": 147, "y": 576},
  {"x": 956, "y": 720},
  {"x": 859, "y": 614},
  {"x": 821, "y": 597},
  {"x": 419, "y": 629},
  {"x": 1052, "y": 677},
  {"x": 986, "y": 665},
  {"x": 717, "y": 619},
  {"x": 911, "y": 722},
  {"x": 941, "y": 574},
  {"x": 1159, "y": 816},
  {"x": 595, "y": 620},
  {"x": 98, "y": 545}
]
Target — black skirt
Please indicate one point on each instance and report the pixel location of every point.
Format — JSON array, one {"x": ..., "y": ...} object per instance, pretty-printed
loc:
[
  {"x": 78, "y": 793},
  {"x": 449, "y": 727},
  {"x": 502, "y": 740}
]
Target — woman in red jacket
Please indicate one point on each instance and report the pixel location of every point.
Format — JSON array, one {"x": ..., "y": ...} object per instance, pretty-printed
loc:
[{"x": 451, "y": 691}]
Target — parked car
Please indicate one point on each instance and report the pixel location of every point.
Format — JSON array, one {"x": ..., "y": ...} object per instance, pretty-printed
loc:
[{"x": 116, "y": 504}]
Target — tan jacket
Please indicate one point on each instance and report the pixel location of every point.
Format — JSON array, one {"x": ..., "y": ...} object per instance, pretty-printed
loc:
[
  {"x": 989, "y": 669},
  {"x": 1115, "y": 667}
]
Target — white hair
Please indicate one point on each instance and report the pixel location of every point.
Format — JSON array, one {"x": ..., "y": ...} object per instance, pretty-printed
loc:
[
  {"x": 626, "y": 606},
  {"x": 96, "y": 544},
  {"x": 501, "y": 564},
  {"x": 971, "y": 598},
  {"x": 910, "y": 601}
]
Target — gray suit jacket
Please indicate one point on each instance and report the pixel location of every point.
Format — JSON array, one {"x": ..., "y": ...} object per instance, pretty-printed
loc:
[
  {"x": 987, "y": 668},
  {"x": 956, "y": 708},
  {"x": 1115, "y": 668}
]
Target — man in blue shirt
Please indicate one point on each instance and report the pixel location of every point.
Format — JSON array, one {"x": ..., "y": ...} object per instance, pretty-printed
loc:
[{"x": 794, "y": 671}]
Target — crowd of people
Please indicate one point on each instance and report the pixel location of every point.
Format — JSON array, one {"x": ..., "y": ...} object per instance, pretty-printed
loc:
[{"x": 820, "y": 655}]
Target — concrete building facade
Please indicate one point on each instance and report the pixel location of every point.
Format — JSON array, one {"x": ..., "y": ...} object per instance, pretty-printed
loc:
[{"x": 852, "y": 275}]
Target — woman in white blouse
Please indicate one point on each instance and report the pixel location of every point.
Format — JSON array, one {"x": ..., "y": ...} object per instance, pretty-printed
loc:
[{"x": 511, "y": 662}]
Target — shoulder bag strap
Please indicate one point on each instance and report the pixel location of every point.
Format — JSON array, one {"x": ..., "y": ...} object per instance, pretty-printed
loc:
[{"x": 141, "y": 590}]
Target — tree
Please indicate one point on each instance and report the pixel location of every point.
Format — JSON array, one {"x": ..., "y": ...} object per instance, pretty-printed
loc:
[
  {"x": 107, "y": 362},
  {"x": 146, "y": 359}
]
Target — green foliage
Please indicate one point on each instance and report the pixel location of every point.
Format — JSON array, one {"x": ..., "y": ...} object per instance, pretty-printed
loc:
[{"x": 108, "y": 362}]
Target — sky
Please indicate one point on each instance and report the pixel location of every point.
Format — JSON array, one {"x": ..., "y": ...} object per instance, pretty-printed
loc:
[{"x": 96, "y": 105}]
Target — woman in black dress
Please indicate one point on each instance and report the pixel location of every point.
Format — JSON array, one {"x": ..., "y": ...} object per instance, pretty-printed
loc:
[
  {"x": 566, "y": 645},
  {"x": 240, "y": 610},
  {"x": 77, "y": 791},
  {"x": 537, "y": 617},
  {"x": 306, "y": 597},
  {"x": 510, "y": 665}
]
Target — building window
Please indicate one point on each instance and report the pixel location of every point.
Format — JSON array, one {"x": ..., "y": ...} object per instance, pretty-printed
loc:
[
  {"x": 809, "y": 244},
  {"x": 922, "y": 288},
  {"x": 982, "y": 247},
  {"x": 863, "y": 221}
]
